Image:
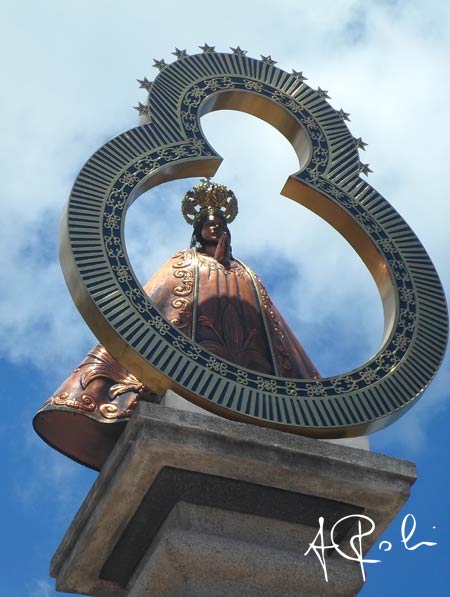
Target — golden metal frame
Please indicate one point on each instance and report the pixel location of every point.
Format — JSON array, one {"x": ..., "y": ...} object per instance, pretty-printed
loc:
[{"x": 170, "y": 145}]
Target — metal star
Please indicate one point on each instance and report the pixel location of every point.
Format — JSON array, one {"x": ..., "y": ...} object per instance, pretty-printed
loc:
[
  {"x": 268, "y": 60},
  {"x": 323, "y": 93},
  {"x": 207, "y": 49},
  {"x": 159, "y": 64},
  {"x": 343, "y": 115},
  {"x": 145, "y": 83},
  {"x": 238, "y": 51},
  {"x": 143, "y": 110},
  {"x": 180, "y": 54},
  {"x": 298, "y": 74},
  {"x": 364, "y": 168},
  {"x": 359, "y": 143}
]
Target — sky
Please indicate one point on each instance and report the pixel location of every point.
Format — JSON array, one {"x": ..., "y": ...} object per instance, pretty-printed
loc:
[{"x": 69, "y": 84}]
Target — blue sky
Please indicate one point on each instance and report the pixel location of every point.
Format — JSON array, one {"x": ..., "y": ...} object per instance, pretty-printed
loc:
[{"x": 69, "y": 84}]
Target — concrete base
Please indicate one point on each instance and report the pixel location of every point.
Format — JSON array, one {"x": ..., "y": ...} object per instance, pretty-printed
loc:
[{"x": 190, "y": 504}]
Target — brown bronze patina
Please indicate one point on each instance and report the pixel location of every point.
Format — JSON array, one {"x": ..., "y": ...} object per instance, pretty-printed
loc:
[{"x": 210, "y": 297}]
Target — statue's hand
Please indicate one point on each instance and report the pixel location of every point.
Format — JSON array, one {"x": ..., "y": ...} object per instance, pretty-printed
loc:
[{"x": 223, "y": 252}]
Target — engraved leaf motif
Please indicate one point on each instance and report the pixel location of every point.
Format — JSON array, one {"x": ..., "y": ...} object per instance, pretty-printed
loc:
[
  {"x": 123, "y": 388},
  {"x": 218, "y": 349},
  {"x": 252, "y": 359},
  {"x": 231, "y": 344},
  {"x": 99, "y": 363},
  {"x": 232, "y": 329}
]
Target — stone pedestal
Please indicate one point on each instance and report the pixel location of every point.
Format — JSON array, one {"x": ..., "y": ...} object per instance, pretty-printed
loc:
[{"x": 190, "y": 504}]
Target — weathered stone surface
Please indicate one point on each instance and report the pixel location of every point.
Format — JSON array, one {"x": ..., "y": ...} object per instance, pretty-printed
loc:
[
  {"x": 191, "y": 504},
  {"x": 204, "y": 552}
]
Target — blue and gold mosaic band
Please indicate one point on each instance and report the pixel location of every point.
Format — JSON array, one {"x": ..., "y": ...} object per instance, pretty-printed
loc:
[{"x": 169, "y": 144}]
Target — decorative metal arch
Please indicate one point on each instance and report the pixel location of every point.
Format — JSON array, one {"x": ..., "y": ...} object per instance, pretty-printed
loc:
[{"x": 170, "y": 145}]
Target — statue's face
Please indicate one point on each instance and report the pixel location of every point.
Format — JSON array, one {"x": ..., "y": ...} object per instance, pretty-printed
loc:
[{"x": 213, "y": 229}]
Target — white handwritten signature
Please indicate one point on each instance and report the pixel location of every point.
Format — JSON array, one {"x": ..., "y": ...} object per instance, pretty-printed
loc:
[{"x": 319, "y": 547}]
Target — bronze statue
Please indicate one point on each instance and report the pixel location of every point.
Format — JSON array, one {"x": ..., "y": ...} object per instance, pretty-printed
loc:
[{"x": 209, "y": 296}]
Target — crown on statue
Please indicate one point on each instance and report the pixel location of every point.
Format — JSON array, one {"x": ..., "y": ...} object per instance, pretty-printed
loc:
[{"x": 209, "y": 197}]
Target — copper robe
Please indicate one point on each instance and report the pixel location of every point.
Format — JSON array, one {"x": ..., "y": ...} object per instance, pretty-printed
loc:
[{"x": 226, "y": 310}]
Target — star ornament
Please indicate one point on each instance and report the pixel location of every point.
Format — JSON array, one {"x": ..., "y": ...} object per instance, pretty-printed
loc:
[
  {"x": 144, "y": 84},
  {"x": 268, "y": 60},
  {"x": 323, "y": 93},
  {"x": 180, "y": 54},
  {"x": 207, "y": 49},
  {"x": 298, "y": 74},
  {"x": 343, "y": 115},
  {"x": 159, "y": 64},
  {"x": 359, "y": 143},
  {"x": 143, "y": 110},
  {"x": 238, "y": 51},
  {"x": 364, "y": 168}
]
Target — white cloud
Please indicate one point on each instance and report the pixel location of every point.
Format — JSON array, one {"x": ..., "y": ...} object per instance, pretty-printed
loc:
[
  {"x": 410, "y": 431},
  {"x": 40, "y": 588}
]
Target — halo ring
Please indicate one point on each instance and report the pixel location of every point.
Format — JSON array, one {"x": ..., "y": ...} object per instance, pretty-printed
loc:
[{"x": 171, "y": 145}]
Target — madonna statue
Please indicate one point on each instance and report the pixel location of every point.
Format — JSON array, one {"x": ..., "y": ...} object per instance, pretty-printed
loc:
[{"x": 210, "y": 297}]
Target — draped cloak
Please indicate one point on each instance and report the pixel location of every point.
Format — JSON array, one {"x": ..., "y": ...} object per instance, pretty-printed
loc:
[{"x": 226, "y": 310}]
